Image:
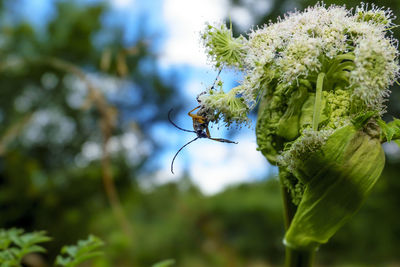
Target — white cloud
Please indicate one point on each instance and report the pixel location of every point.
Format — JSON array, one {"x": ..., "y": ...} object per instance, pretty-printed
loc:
[
  {"x": 216, "y": 165},
  {"x": 184, "y": 19}
]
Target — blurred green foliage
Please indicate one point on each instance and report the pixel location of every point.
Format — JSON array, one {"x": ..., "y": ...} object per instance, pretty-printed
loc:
[
  {"x": 46, "y": 184},
  {"x": 15, "y": 246},
  {"x": 76, "y": 254},
  {"x": 47, "y": 121}
]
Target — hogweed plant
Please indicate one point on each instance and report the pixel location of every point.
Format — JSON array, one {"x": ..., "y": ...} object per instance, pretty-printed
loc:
[{"x": 320, "y": 79}]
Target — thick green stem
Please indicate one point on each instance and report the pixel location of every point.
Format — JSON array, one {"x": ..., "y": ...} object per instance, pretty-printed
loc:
[
  {"x": 289, "y": 209},
  {"x": 318, "y": 101},
  {"x": 298, "y": 258},
  {"x": 293, "y": 257}
]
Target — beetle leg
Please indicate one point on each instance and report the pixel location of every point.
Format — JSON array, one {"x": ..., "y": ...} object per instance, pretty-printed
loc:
[
  {"x": 208, "y": 132},
  {"x": 190, "y": 112},
  {"x": 196, "y": 117},
  {"x": 223, "y": 140}
]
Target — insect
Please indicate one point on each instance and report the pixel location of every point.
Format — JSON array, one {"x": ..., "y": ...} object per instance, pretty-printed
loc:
[{"x": 200, "y": 127}]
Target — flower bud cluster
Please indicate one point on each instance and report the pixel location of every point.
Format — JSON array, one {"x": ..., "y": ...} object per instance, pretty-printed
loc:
[
  {"x": 303, "y": 147},
  {"x": 229, "y": 104},
  {"x": 222, "y": 48}
]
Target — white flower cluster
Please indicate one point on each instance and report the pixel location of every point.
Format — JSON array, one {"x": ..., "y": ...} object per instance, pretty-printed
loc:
[
  {"x": 300, "y": 39},
  {"x": 376, "y": 67},
  {"x": 351, "y": 47}
]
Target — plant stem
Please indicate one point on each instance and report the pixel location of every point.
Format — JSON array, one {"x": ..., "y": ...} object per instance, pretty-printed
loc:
[
  {"x": 289, "y": 209},
  {"x": 293, "y": 257},
  {"x": 318, "y": 101},
  {"x": 299, "y": 258}
]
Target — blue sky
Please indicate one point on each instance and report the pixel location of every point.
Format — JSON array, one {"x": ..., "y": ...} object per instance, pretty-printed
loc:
[{"x": 212, "y": 165}]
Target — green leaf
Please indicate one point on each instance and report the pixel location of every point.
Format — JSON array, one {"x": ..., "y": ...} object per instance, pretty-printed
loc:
[
  {"x": 76, "y": 254},
  {"x": 34, "y": 238},
  {"x": 360, "y": 120},
  {"x": 164, "y": 263},
  {"x": 390, "y": 130},
  {"x": 34, "y": 248},
  {"x": 288, "y": 126},
  {"x": 14, "y": 245},
  {"x": 337, "y": 179}
]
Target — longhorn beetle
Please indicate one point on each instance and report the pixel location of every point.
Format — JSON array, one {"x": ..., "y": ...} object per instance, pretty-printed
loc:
[{"x": 200, "y": 125}]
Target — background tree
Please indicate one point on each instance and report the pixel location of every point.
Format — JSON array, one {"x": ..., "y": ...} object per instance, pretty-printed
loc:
[{"x": 54, "y": 126}]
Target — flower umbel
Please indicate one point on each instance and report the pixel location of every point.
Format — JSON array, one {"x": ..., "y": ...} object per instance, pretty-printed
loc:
[
  {"x": 222, "y": 47},
  {"x": 352, "y": 49}
]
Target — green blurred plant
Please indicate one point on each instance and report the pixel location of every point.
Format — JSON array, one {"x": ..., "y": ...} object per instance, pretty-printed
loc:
[
  {"x": 164, "y": 263},
  {"x": 15, "y": 245},
  {"x": 82, "y": 251},
  {"x": 44, "y": 70}
]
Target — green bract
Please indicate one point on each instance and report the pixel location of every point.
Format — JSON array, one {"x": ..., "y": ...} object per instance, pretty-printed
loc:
[
  {"x": 320, "y": 78},
  {"x": 338, "y": 178}
]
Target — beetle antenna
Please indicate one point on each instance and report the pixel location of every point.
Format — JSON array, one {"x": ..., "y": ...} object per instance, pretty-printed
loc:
[
  {"x": 170, "y": 120},
  {"x": 216, "y": 79},
  {"x": 176, "y": 154}
]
